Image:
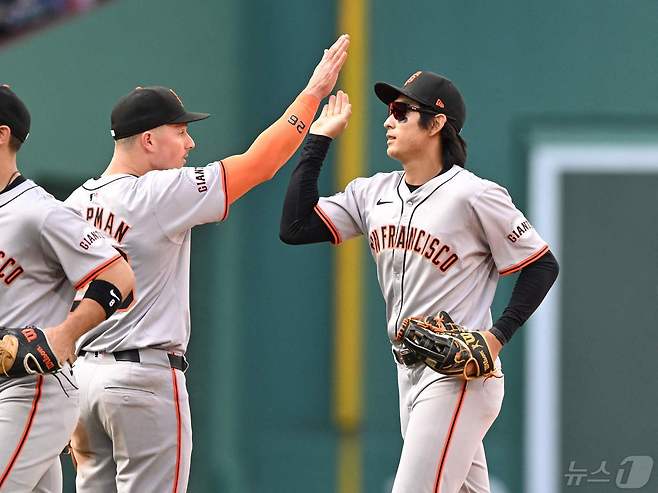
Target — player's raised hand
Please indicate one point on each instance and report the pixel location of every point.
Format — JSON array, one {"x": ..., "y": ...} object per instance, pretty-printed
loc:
[
  {"x": 325, "y": 75},
  {"x": 334, "y": 117}
]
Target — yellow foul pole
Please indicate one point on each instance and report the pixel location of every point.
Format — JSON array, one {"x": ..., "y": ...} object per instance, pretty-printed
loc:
[{"x": 351, "y": 159}]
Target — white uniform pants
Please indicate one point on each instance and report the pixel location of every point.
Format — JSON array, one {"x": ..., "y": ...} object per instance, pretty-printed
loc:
[
  {"x": 134, "y": 433},
  {"x": 36, "y": 421},
  {"x": 443, "y": 421}
]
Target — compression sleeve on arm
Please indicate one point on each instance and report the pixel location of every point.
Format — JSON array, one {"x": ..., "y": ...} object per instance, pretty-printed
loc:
[
  {"x": 299, "y": 222},
  {"x": 531, "y": 287},
  {"x": 270, "y": 151}
]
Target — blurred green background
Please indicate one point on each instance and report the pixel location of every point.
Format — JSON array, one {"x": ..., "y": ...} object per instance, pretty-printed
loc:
[{"x": 262, "y": 413}]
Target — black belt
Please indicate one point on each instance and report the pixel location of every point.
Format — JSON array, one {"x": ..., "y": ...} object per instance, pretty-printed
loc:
[
  {"x": 132, "y": 355},
  {"x": 405, "y": 357}
]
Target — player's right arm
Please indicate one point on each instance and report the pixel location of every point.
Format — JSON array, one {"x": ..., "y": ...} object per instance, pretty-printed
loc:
[
  {"x": 89, "y": 312},
  {"x": 272, "y": 149},
  {"x": 302, "y": 221},
  {"x": 87, "y": 259}
]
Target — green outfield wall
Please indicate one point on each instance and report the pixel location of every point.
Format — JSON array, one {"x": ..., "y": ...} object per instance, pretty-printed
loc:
[{"x": 261, "y": 354}]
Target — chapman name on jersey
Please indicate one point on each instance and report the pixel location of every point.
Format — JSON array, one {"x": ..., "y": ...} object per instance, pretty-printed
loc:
[
  {"x": 106, "y": 222},
  {"x": 150, "y": 219}
]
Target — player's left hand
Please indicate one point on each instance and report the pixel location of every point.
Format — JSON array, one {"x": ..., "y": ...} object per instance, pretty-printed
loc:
[
  {"x": 61, "y": 343},
  {"x": 449, "y": 348},
  {"x": 334, "y": 117},
  {"x": 494, "y": 344},
  {"x": 26, "y": 351}
]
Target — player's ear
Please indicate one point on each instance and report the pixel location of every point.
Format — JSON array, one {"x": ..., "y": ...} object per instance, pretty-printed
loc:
[
  {"x": 438, "y": 123},
  {"x": 146, "y": 140},
  {"x": 5, "y": 134}
]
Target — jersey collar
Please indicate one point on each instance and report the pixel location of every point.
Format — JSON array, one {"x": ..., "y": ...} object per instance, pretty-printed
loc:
[
  {"x": 11, "y": 193},
  {"x": 94, "y": 184},
  {"x": 19, "y": 179},
  {"x": 429, "y": 186}
]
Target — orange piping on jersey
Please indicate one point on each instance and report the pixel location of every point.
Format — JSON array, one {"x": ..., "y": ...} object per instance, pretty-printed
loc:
[
  {"x": 525, "y": 262},
  {"x": 332, "y": 229},
  {"x": 271, "y": 149},
  {"x": 224, "y": 186},
  {"x": 178, "y": 432},
  {"x": 444, "y": 452},
  {"x": 94, "y": 273},
  {"x": 26, "y": 431}
]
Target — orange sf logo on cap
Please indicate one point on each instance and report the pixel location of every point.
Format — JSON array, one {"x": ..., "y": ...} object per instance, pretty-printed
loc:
[
  {"x": 439, "y": 103},
  {"x": 412, "y": 78}
]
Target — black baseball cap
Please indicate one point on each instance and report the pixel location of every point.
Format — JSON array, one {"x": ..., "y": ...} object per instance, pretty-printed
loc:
[
  {"x": 432, "y": 91},
  {"x": 145, "y": 108},
  {"x": 14, "y": 114}
]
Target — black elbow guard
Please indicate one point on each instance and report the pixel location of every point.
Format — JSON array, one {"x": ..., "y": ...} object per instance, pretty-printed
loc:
[{"x": 106, "y": 295}]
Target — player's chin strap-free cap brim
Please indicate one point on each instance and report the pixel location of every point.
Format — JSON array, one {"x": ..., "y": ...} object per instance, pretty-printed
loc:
[
  {"x": 388, "y": 93},
  {"x": 190, "y": 116}
]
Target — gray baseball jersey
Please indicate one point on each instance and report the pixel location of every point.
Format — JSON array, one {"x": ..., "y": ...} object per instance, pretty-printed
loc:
[
  {"x": 134, "y": 432},
  {"x": 47, "y": 251},
  {"x": 150, "y": 218},
  {"x": 442, "y": 247}
]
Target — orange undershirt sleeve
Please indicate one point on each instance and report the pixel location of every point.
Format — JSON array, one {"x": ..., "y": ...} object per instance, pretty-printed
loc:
[{"x": 271, "y": 149}]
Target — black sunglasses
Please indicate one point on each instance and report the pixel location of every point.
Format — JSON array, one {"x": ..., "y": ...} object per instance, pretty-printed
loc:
[{"x": 399, "y": 110}]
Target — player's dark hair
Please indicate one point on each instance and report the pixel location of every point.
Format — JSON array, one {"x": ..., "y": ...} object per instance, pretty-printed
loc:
[
  {"x": 129, "y": 140},
  {"x": 452, "y": 144},
  {"x": 14, "y": 144}
]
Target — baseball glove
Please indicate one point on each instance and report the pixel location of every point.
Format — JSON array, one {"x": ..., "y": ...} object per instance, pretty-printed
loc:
[
  {"x": 26, "y": 352},
  {"x": 446, "y": 347}
]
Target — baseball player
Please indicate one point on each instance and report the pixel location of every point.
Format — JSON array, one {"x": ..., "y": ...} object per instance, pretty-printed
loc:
[
  {"x": 47, "y": 251},
  {"x": 134, "y": 432},
  {"x": 440, "y": 237}
]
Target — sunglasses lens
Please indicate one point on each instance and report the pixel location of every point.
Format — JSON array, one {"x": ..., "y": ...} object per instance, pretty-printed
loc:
[{"x": 398, "y": 110}]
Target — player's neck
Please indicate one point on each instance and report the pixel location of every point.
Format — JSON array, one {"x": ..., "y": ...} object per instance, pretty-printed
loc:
[
  {"x": 421, "y": 170},
  {"x": 8, "y": 169},
  {"x": 125, "y": 163}
]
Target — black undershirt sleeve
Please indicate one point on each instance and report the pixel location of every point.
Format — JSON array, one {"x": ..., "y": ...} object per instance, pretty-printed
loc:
[
  {"x": 531, "y": 287},
  {"x": 299, "y": 222}
]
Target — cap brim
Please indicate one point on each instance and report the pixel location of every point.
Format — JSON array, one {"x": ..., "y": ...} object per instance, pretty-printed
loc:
[
  {"x": 189, "y": 116},
  {"x": 388, "y": 93}
]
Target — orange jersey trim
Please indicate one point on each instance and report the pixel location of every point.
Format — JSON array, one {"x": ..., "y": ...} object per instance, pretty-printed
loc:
[
  {"x": 225, "y": 187},
  {"x": 271, "y": 149},
  {"x": 26, "y": 431},
  {"x": 453, "y": 425},
  {"x": 89, "y": 277},
  {"x": 330, "y": 225},
  {"x": 524, "y": 263},
  {"x": 178, "y": 432}
]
